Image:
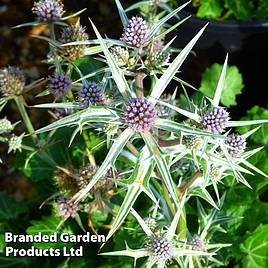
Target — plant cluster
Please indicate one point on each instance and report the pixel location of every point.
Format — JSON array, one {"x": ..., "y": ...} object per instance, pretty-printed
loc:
[{"x": 125, "y": 155}]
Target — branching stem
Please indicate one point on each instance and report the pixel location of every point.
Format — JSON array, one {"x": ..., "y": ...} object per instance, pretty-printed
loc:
[
  {"x": 139, "y": 85},
  {"x": 20, "y": 102},
  {"x": 91, "y": 157}
]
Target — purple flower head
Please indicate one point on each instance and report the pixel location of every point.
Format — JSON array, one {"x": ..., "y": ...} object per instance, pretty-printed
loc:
[
  {"x": 48, "y": 10},
  {"x": 216, "y": 120},
  {"x": 140, "y": 114},
  {"x": 161, "y": 249},
  {"x": 136, "y": 32},
  {"x": 91, "y": 94},
  {"x": 198, "y": 243},
  {"x": 60, "y": 84},
  {"x": 67, "y": 208},
  {"x": 236, "y": 145}
]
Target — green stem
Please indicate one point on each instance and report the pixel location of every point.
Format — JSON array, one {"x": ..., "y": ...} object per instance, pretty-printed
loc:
[
  {"x": 130, "y": 146},
  {"x": 69, "y": 73},
  {"x": 182, "y": 226},
  {"x": 168, "y": 200},
  {"x": 20, "y": 102},
  {"x": 52, "y": 48},
  {"x": 89, "y": 154},
  {"x": 139, "y": 85}
]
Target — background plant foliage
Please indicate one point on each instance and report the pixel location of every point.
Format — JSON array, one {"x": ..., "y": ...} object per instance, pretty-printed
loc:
[{"x": 231, "y": 9}]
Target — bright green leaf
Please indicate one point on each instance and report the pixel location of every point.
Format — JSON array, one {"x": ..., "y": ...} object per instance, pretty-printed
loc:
[
  {"x": 232, "y": 87},
  {"x": 255, "y": 248},
  {"x": 210, "y": 9},
  {"x": 242, "y": 9}
]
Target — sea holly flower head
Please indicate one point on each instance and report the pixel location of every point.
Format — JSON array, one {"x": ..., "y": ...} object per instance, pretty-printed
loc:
[
  {"x": 73, "y": 33},
  {"x": 194, "y": 143},
  {"x": 216, "y": 119},
  {"x": 91, "y": 94},
  {"x": 121, "y": 55},
  {"x": 12, "y": 81},
  {"x": 157, "y": 59},
  {"x": 197, "y": 243},
  {"x": 48, "y": 10},
  {"x": 140, "y": 114},
  {"x": 151, "y": 222},
  {"x": 136, "y": 32},
  {"x": 215, "y": 173},
  {"x": 67, "y": 208},
  {"x": 65, "y": 180},
  {"x": 86, "y": 173},
  {"x": 60, "y": 84},
  {"x": 236, "y": 145},
  {"x": 161, "y": 249},
  {"x": 15, "y": 143},
  {"x": 5, "y": 126}
]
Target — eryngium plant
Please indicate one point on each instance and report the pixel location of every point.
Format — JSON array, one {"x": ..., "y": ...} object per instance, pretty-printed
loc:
[{"x": 170, "y": 162}]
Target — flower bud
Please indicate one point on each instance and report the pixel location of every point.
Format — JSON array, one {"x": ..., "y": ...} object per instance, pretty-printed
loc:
[
  {"x": 91, "y": 94},
  {"x": 12, "y": 81},
  {"x": 5, "y": 126},
  {"x": 73, "y": 33},
  {"x": 15, "y": 143}
]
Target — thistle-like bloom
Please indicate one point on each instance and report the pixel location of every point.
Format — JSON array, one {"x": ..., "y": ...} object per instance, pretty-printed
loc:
[
  {"x": 136, "y": 32},
  {"x": 215, "y": 173},
  {"x": 85, "y": 174},
  {"x": 91, "y": 94},
  {"x": 151, "y": 222},
  {"x": 67, "y": 208},
  {"x": 161, "y": 249},
  {"x": 5, "y": 126},
  {"x": 120, "y": 55},
  {"x": 14, "y": 143},
  {"x": 216, "y": 120},
  {"x": 163, "y": 110},
  {"x": 60, "y": 84},
  {"x": 73, "y": 33},
  {"x": 12, "y": 81},
  {"x": 48, "y": 10},
  {"x": 193, "y": 142},
  {"x": 198, "y": 243},
  {"x": 140, "y": 114},
  {"x": 88, "y": 171},
  {"x": 65, "y": 181},
  {"x": 236, "y": 145},
  {"x": 158, "y": 58}
]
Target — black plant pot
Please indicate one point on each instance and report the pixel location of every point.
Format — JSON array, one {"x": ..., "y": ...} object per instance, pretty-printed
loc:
[{"x": 247, "y": 45}]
